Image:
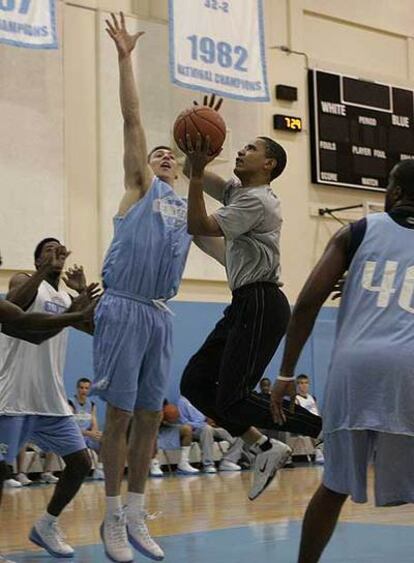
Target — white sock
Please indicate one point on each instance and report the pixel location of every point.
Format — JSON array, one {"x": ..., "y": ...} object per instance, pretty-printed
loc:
[
  {"x": 113, "y": 504},
  {"x": 135, "y": 503},
  {"x": 99, "y": 465},
  {"x": 47, "y": 519},
  {"x": 185, "y": 454}
]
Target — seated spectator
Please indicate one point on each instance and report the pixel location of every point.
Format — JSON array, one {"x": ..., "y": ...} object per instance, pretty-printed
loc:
[
  {"x": 48, "y": 459},
  {"x": 20, "y": 478},
  {"x": 265, "y": 386},
  {"x": 84, "y": 411},
  {"x": 205, "y": 432},
  {"x": 173, "y": 435},
  {"x": 308, "y": 402}
]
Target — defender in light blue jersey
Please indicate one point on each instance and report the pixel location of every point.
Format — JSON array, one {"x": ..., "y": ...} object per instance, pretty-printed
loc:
[
  {"x": 368, "y": 406},
  {"x": 133, "y": 328}
]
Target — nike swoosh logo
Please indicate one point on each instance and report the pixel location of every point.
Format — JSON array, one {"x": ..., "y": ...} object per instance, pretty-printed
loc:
[{"x": 263, "y": 468}]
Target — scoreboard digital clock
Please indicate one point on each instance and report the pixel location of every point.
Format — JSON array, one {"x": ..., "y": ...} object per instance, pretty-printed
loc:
[
  {"x": 287, "y": 123},
  {"x": 359, "y": 130}
]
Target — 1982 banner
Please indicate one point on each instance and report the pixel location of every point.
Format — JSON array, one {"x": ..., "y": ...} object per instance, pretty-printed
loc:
[
  {"x": 219, "y": 46},
  {"x": 28, "y": 23}
]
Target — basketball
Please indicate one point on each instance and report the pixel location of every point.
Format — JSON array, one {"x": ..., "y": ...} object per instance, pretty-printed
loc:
[
  {"x": 203, "y": 120},
  {"x": 171, "y": 414}
]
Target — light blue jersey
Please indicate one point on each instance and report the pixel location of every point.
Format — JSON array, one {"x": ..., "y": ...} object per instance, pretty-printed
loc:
[
  {"x": 371, "y": 379},
  {"x": 83, "y": 413},
  {"x": 133, "y": 328},
  {"x": 150, "y": 245}
]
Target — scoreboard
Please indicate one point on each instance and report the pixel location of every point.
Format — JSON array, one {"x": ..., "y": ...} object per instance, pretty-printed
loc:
[{"x": 359, "y": 130}]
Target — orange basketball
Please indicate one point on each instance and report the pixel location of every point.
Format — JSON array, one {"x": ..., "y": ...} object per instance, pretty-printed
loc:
[
  {"x": 203, "y": 120},
  {"x": 171, "y": 413}
]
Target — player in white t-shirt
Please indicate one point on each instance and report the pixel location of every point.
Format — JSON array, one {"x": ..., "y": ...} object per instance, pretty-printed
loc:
[
  {"x": 33, "y": 403},
  {"x": 308, "y": 402},
  {"x": 303, "y": 397}
]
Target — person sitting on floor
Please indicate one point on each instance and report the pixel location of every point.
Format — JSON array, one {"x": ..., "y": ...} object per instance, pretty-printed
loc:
[
  {"x": 206, "y": 432},
  {"x": 84, "y": 411}
]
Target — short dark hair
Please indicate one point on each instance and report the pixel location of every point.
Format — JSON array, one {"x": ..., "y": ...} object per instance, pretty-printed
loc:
[
  {"x": 82, "y": 380},
  {"x": 158, "y": 147},
  {"x": 265, "y": 379},
  {"x": 404, "y": 177},
  {"x": 41, "y": 244},
  {"x": 302, "y": 377},
  {"x": 276, "y": 151}
]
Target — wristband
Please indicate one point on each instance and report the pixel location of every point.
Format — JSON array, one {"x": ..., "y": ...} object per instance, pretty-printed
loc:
[{"x": 282, "y": 378}]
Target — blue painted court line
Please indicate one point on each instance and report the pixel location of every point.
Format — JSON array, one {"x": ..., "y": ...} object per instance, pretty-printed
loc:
[{"x": 358, "y": 543}]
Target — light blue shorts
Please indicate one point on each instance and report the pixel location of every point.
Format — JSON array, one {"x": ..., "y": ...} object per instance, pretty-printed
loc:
[
  {"x": 169, "y": 437},
  {"x": 132, "y": 353},
  {"x": 58, "y": 434},
  {"x": 92, "y": 444},
  {"x": 348, "y": 454}
]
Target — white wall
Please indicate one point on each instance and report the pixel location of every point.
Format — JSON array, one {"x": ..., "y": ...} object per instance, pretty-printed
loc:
[{"x": 369, "y": 38}]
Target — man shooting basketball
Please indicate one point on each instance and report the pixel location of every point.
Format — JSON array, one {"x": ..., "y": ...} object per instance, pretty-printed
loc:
[
  {"x": 220, "y": 378},
  {"x": 369, "y": 396}
]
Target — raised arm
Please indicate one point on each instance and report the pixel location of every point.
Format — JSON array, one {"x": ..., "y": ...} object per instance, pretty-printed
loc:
[
  {"x": 138, "y": 175},
  {"x": 199, "y": 222},
  {"x": 213, "y": 184},
  {"x": 23, "y": 288},
  {"x": 322, "y": 280}
]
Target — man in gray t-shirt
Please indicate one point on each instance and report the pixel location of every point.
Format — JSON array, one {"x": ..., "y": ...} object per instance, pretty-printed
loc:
[
  {"x": 219, "y": 379},
  {"x": 251, "y": 221}
]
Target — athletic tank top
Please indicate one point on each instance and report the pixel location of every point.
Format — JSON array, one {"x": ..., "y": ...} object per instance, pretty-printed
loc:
[
  {"x": 150, "y": 245},
  {"x": 307, "y": 403},
  {"x": 371, "y": 378},
  {"x": 31, "y": 376},
  {"x": 83, "y": 413}
]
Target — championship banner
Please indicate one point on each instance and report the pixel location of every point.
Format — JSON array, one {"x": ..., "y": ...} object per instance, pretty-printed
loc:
[
  {"x": 28, "y": 23},
  {"x": 219, "y": 46}
]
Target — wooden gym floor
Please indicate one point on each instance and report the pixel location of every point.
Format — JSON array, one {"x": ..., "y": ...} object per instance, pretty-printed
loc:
[{"x": 208, "y": 518}]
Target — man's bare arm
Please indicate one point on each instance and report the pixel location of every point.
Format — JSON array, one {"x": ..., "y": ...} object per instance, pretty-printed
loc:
[
  {"x": 138, "y": 175},
  {"x": 13, "y": 315},
  {"x": 319, "y": 285}
]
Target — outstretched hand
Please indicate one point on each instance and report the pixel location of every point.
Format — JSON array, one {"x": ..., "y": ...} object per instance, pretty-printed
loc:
[
  {"x": 75, "y": 278},
  {"x": 198, "y": 155},
  {"x": 211, "y": 103},
  {"x": 125, "y": 42}
]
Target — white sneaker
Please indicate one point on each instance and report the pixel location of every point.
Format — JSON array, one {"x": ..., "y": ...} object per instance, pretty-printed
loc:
[
  {"x": 23, "y": 480},
  {"x": 266, "y": 465},
  {"x": 227, "y": 465},
  {"x": 12, "y": 484},
  {"x": 155, "y": 469},
  {"x": 209, "y": 469},
  {"x": 115, "y": 539},
  {"x": 139, "y": 537},
  {"x": 48, "y": 477},
  {"x": 98, "y": 474},
  {"x": 185, "y": 468},
  {"x": 319, "y": 459},
  {"x": 49, "y": 536}
]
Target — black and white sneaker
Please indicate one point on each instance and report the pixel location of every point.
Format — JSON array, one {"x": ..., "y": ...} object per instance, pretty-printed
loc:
[{"x": 266, "y": 465}]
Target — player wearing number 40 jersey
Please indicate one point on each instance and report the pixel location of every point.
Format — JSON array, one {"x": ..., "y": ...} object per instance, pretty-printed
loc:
[{"x": 369, "y": 396}]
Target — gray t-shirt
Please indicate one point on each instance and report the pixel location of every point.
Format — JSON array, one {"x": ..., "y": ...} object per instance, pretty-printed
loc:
[{"x": 251, "y": 222}]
